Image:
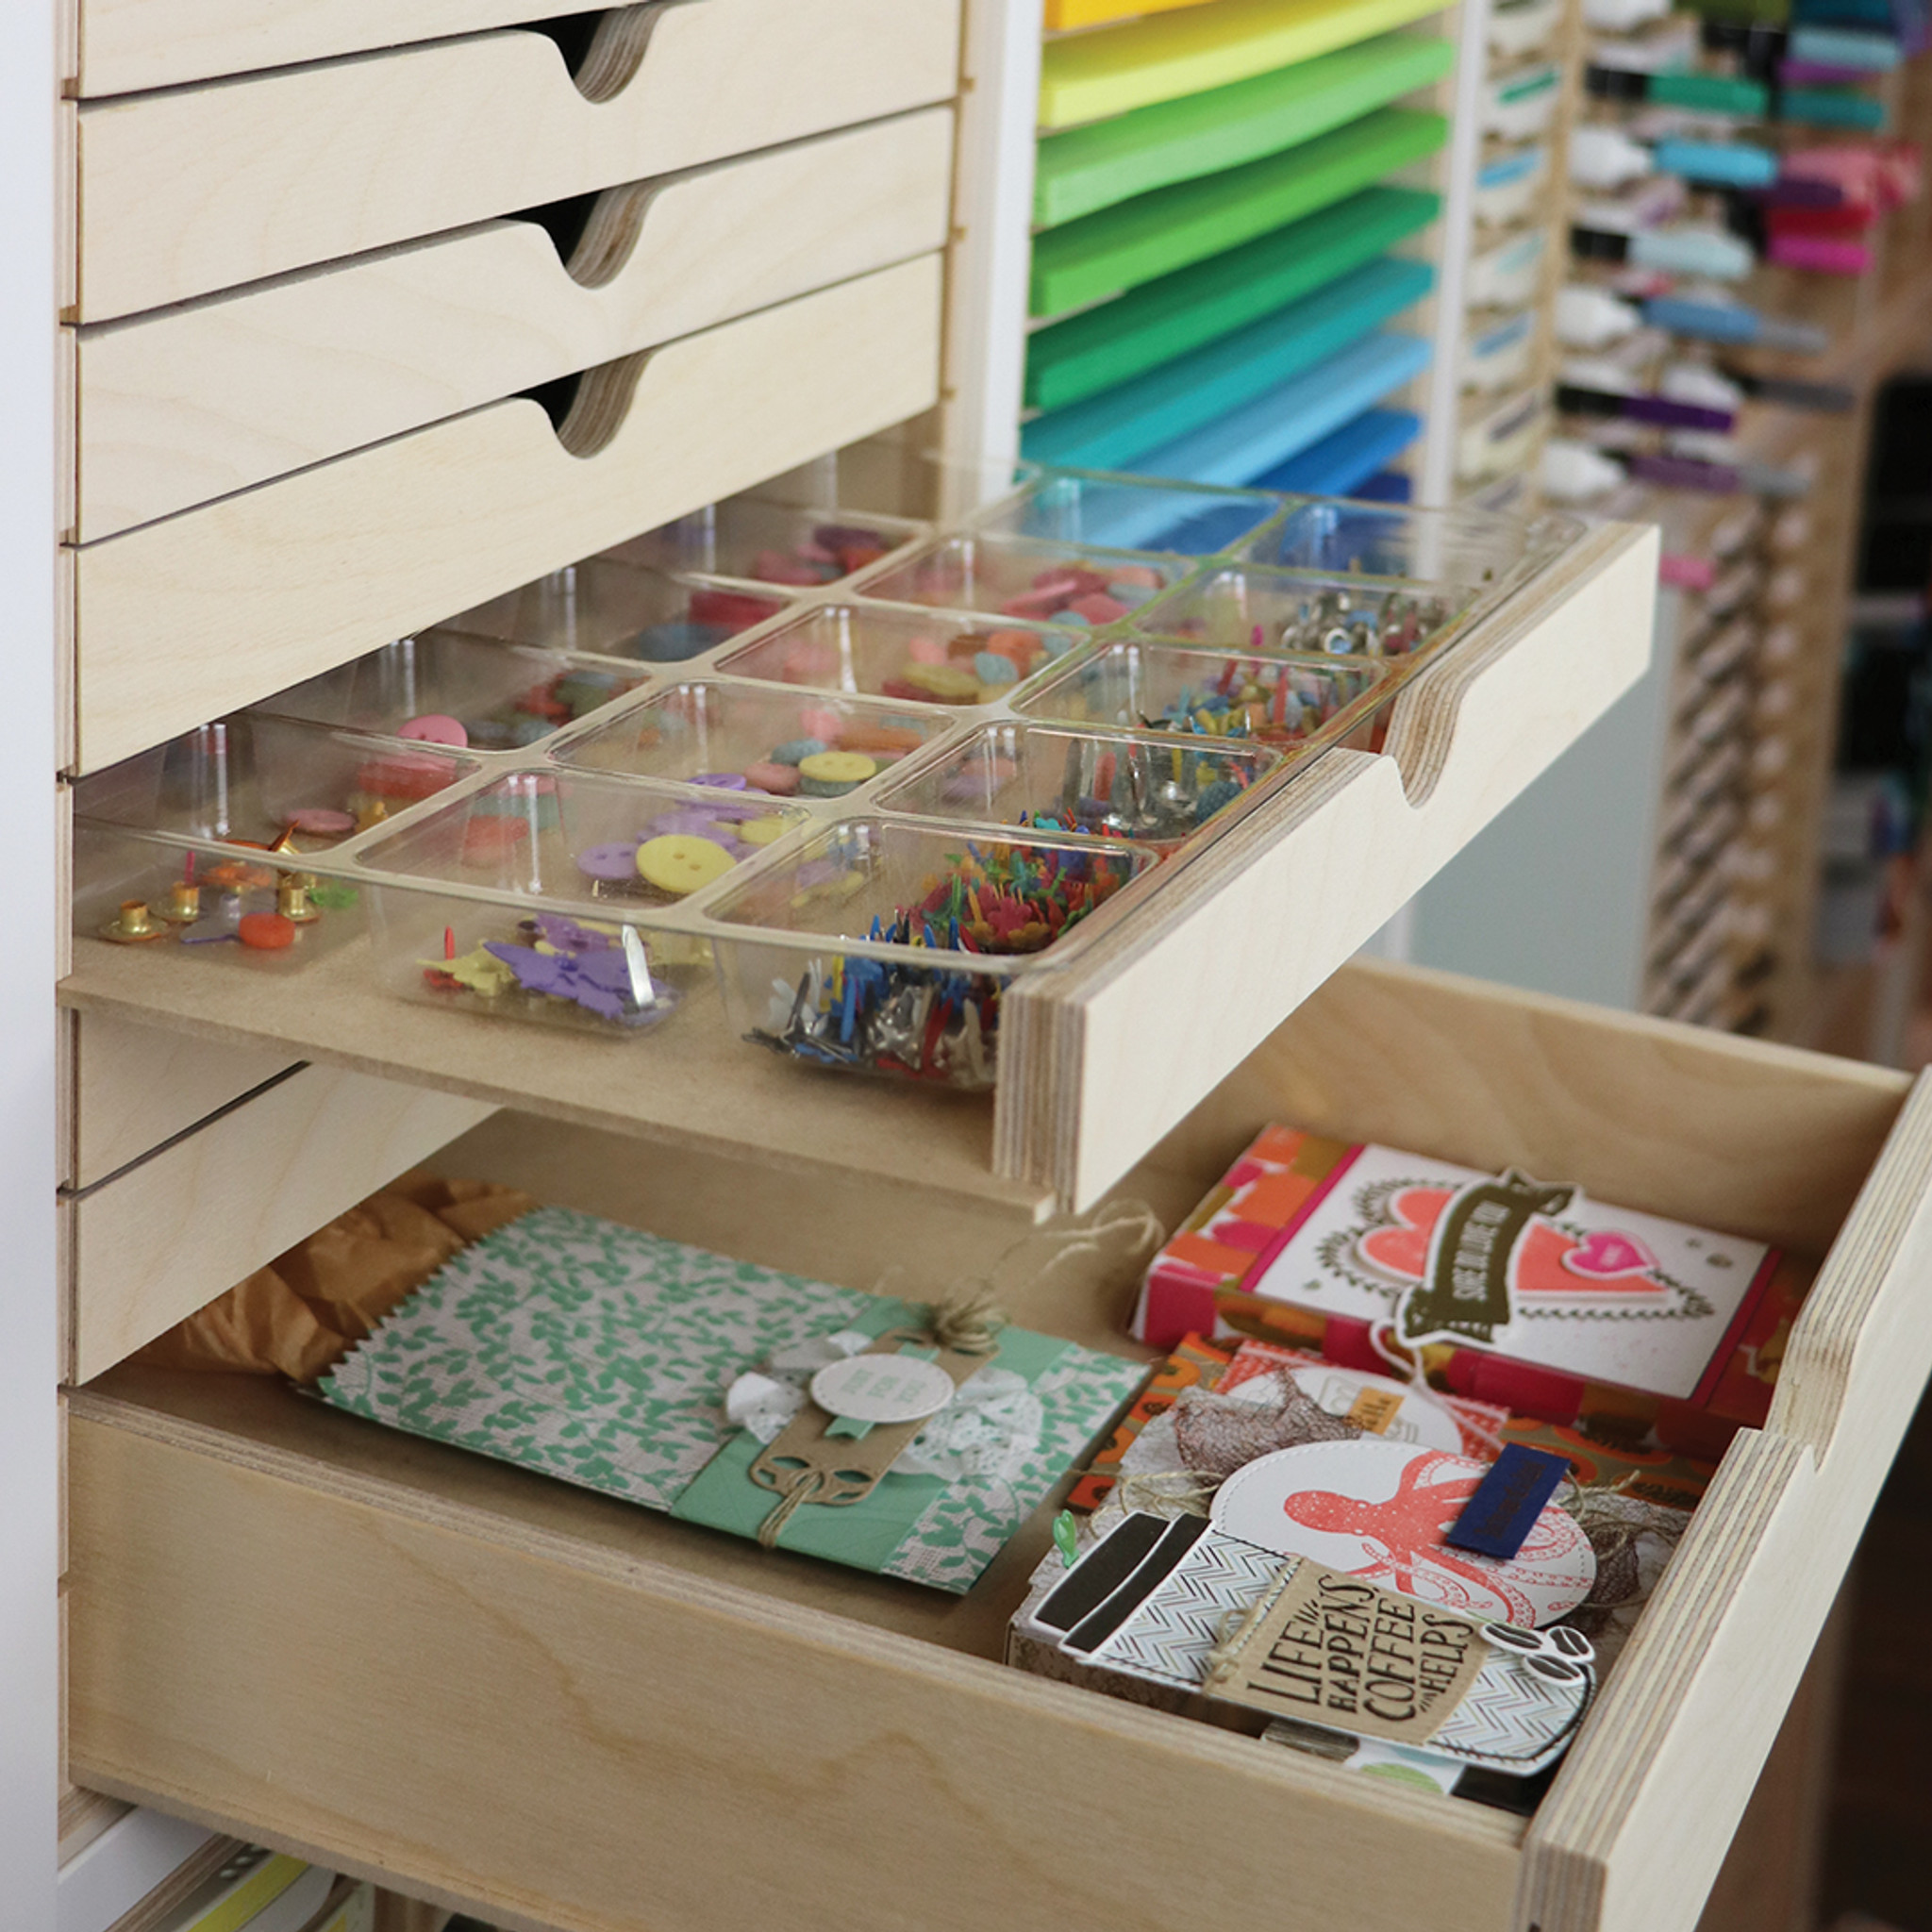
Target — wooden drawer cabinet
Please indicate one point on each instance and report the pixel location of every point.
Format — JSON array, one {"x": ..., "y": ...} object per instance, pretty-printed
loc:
[
  {"x": 1099, "y": 1056},
  {"x": 193, "y": 403},
  {"x": 156, "y": 1240},
  {"x": 196, "y": 189},
  {"x": 201, "y": 613},
  {"x": 568, "y": 1713}
]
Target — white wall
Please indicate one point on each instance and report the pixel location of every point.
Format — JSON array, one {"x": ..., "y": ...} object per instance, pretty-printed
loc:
[{"x": 28, "y": 1613}]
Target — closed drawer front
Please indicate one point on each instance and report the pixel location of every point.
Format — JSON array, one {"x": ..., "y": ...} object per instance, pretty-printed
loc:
[
  {"x": 199, "y": 188},
  {"x": 157, "y": 1240},
  {"x": 131, "y": 1089},
  {"x": 195, "y": 403},
  {"x": 1097, "y": 1058},
  {"x": 183, "y": 619},
  {"x": 587, "y": 1717},
  {"x": 123, "y": 46}
]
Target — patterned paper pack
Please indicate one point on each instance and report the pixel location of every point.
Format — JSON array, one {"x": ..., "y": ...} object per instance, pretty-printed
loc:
[{"x": 602, "y": 1356}]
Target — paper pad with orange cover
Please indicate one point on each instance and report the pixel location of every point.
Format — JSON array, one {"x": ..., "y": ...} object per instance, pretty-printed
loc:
[{"x": 1508, "y": 1290}]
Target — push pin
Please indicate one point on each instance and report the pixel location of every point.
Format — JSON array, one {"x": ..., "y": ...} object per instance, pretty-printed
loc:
[
  {"x": 286, "y": 844},
  {"x": 135, "y": 924},
  {"x": 291, "y": 898},
  {"x": 182, "y": 907},
  {"x": 369, "y": 811}
]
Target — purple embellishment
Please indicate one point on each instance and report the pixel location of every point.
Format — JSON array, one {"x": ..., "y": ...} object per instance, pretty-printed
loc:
[{"x": 613, "y": 864}]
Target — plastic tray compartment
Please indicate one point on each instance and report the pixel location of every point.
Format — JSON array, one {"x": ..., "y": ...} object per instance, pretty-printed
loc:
[
  {"x": 469, "y": 691},
  {"x": 1092, "y": 508},
  {"x": 1464, "y": 547},
  {"x": 1156, "y": 788},
  {"x": 1244, "y": 607},
  {"x": 523, "y": 899},
  {"x": 753, "y": 540},
  {"x": 881, "y": 945},
  {"x": 902, "y": 654},
  {"x": 605, "y": 606},
  {"x": 754, "y": 737},
  {"x": 222, "y": 842},
  {"x": 1015, "y": 576},
  {"x": 1301, "y": 702}
]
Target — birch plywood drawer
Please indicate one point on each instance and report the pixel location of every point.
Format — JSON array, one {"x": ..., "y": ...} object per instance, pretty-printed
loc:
[
  {"x": 183, "y": 619},
  {"x": 1102, "y": 1049},
  {"x": 191, "y": 190},
  {"x": 587, "y": 1717},
  {"x": 199, "y": 401},
  {"x": 154, "y": 1241}
]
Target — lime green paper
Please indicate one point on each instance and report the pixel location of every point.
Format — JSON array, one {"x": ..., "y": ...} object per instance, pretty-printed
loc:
[
  {"x": 1088, "y": 75},
  {"x": 1161, "y": 320},
  {"x": 1090, "y": 168}
]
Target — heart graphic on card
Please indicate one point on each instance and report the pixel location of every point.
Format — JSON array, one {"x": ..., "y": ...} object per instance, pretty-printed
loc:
[
  {"x": 1606, "y": 1253},
  {"x": 1402, "y": 1249}
]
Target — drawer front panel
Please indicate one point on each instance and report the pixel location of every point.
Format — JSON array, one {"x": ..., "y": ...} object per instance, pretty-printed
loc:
[
  {"x": 685, "y": 1686},
  {"x": 197, "y": 615},
  {"x": 599, "y": 1752},
  {"x": 124, "y": 46},
  {"x": 202, "y": 189},
  {"x": 179, "y": 407},
  {"x": 154, "y": 1243},
  {"x": 136, "y": 1087}
]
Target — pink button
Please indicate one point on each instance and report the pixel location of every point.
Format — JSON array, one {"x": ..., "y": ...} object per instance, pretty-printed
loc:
[{"x": 434, "y": 728}]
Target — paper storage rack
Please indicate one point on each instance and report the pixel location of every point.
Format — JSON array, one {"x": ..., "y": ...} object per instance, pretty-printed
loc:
[
  {"x": 575, "y": 1704},
  {"x": 1501, "y": 641}
]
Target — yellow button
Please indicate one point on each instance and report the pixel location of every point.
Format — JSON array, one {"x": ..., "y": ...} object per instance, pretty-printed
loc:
[
  {"x": 760, "y": 831},
  {"x": 837, "y": 767},
  {"x": 679, "y": 862}
]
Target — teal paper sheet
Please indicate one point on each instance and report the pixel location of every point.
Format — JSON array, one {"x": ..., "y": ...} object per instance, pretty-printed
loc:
[{"x": 589, "y": 1351}]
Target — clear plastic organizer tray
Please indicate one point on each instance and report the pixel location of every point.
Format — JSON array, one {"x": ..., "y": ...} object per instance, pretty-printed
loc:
[{"x": 941, "y": 759}]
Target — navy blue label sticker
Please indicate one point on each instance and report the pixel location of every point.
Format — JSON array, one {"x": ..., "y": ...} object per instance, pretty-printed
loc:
[{"x": 1508, "y": 1502}]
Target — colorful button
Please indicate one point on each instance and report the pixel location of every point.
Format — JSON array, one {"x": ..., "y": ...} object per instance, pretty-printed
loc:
[
  {"x": 613, "y": 864},
  {"x": 267, "y": 932},
  {"x": 771, "y": 775},
  {"x": 680, "y": 864},
  {"x": 832, "y": 774},
  {"x": 761, "y": 831},
  {"x": 436, "y": 727}
]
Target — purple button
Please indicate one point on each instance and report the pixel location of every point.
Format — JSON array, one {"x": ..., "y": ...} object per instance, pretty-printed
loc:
[
  {"x": 688, "y": 824},
  {"x": 725, "y": 781},
  {"x": 612, "y": 864}
]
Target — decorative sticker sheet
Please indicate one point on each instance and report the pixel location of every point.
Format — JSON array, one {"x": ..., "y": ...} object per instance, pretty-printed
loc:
[{"x": 586, "y": 1351}]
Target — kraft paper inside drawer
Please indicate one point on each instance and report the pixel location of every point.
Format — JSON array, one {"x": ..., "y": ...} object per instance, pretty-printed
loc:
[
  {"x": 584, "y": 1716},
  {"x": 201, "y": 613},
  {"x": 196, "y": 189},
  {"x": 199, "y": 401},
  {"x": 1102, "y": 1047},
  {"x": 157, "y": 1240}
]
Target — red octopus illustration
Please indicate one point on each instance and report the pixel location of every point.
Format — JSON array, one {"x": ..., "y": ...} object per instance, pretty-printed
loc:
[{"x": 1405, "y": 1535}]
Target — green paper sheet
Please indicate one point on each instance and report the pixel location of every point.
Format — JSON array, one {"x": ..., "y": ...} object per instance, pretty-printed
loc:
[
  {"x": 1153, "y": 235},
  {"x": 1090, "y": 168},
  {"x": 1111, "y": 430},
  {"x": 1163, "y": 319},
  {"x": 599, "y": 1356},
  {"x": 1115, "y": 70}
]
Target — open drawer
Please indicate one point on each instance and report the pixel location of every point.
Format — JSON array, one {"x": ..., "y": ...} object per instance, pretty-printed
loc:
[
  {"x": 563, "y": 1712},
  {"x": 1102, "y": 1048}
]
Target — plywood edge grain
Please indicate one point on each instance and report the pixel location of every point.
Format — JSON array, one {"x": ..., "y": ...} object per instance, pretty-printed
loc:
[{"x": 1636, "y": 1825}]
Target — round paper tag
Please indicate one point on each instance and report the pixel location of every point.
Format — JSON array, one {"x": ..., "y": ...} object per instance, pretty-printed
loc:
[
  {"x": 1378, "y": 1510},
  {"x": 882, "y": 1389}
]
